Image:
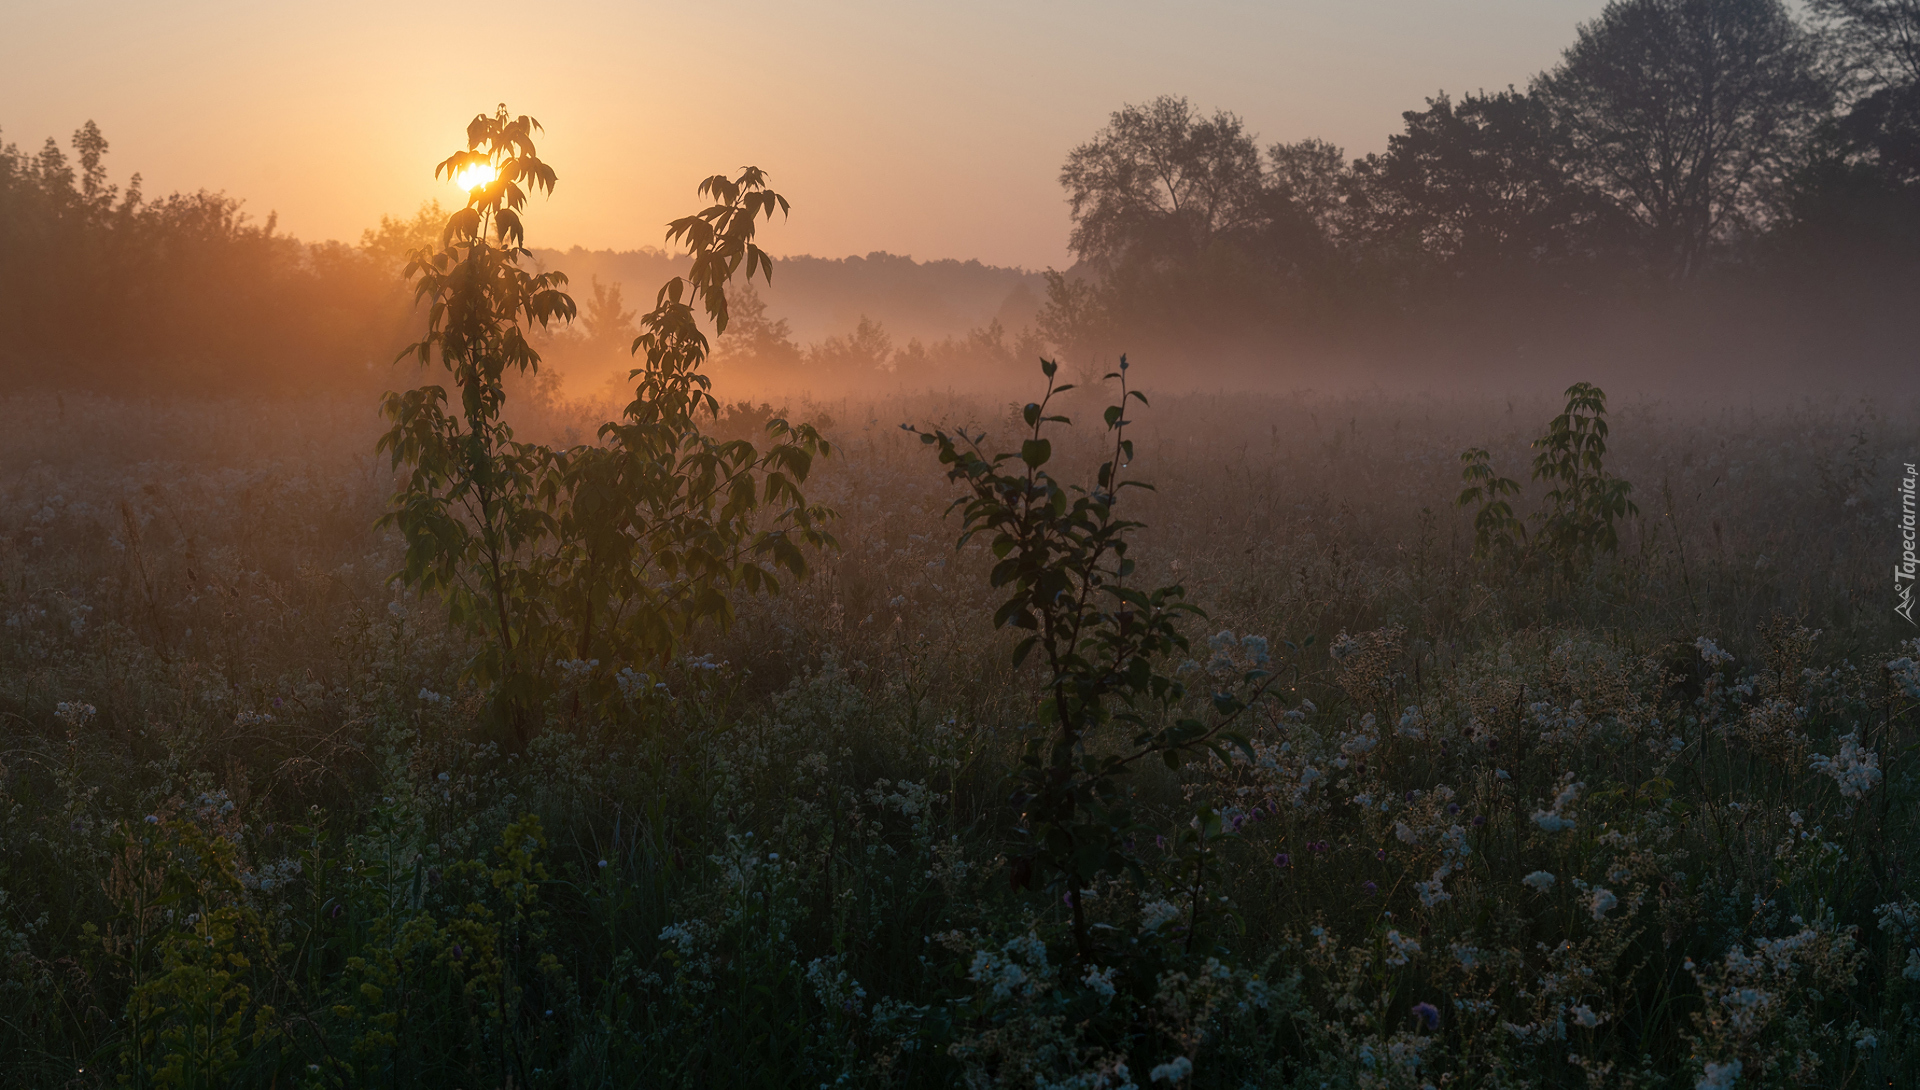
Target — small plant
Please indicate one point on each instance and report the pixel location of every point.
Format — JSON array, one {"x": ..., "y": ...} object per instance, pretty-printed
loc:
[
  {"x": 1104, "y": 646},
  {"x": 1583, "y": 502}
]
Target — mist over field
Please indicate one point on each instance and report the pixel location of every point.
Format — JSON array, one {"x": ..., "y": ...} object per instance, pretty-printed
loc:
[{"x": 1438, "y": 615}]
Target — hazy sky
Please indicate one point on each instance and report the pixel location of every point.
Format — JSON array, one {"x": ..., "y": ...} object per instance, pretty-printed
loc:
[{"x": 930, "y": 129}]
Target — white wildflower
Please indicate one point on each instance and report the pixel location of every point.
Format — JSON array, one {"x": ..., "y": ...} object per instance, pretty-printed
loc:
[
  {"x": 1855, "y": 768},
  {"x": 1156, "y": 914},
  {"x": 1601, "y": 902},
  {"x": 1540, "y": 880},
  {"x": 1711, "y": 654},
  {"x": 1173, "y": 1071},
  {"x": 1412, "y": 724},
  {"x": 1403, "y": 948}
]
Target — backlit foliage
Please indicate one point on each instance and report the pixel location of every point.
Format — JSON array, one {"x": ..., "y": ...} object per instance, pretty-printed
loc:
[{"x": 581, "y": 561}]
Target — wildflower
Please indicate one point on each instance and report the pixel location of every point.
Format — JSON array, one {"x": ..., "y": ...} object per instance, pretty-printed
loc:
[
  {"x": 1553, "y": 820},
  {"x": 1854, "y": 768},
  {"x": 1719, "y": 1076},
  {"x": 1403, "y": 948},
  {"x": 1100, "y": 980},
  {"x": 1479, "y": 820},
  {"x": 1432, "y": 891},
  {"x": 603, "y": 864},
  {"x": 74, "y": 714},
  {"x": 1906, "y": 674},
  {"x": 1256, "y": 649},
  {"x": 1381, "y": 854},
  {"x": 1173, "y": 1071},
  {"x": 1711, "y": 654},
  {"x": 153, "y": 819},
  {"x": 1427, "y": 1015},
  {"x": 1282, "y": 859},
  {"x": 1411, "y": 725},
  {"x": 1344, "y": 647},
  {"x": 1601, "y": 902},
  {"x": 1156, "y": 914},
  {"x": 1583, "y": 1016},
  {"x": 1540, "y": 880},
  {"x": 1369, "y": 888}
]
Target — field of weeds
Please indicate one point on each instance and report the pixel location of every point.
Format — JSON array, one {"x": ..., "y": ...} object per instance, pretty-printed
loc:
[{"x": 1494, "y": 823}]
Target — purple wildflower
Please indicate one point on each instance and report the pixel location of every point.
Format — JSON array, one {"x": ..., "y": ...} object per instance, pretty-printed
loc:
[
  {"x": 1282, "y": 859},
  {"x": 1381, "y": 855},
  {"x": 1369, "y": 888},
  {"x": 1427, "y": 1015}
]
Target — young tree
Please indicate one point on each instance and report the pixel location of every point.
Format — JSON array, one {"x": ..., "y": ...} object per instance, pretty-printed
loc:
[
  {"x": 586, "y": 561},
  {"x": 468, "y": 509}
]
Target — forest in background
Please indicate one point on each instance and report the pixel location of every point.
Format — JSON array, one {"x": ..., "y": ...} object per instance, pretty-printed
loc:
[{"x": 1704, "y": 189}]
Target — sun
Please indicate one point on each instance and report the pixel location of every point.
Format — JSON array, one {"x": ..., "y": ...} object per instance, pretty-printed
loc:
[{"x": 475, "y": 175}]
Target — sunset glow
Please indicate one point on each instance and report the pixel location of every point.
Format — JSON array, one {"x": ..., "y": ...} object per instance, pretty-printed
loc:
[{"x": 475, "y": 175}]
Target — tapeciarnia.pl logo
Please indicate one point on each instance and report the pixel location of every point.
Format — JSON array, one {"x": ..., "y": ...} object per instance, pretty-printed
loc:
[{"x": 1903, "y": 572}]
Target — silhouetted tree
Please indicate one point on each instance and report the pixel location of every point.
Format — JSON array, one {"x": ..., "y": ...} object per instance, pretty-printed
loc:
[
  {"x": 867, "y": 348},
  {"x": 1075, "y": 322},
  {"x": 753, "y": 338},
  {"x": 1476, "y": 187},
  {"x": 1161, "y": 181},
  {"x": 1689, "y": 115},
  {"x": 609, "y": 324}
]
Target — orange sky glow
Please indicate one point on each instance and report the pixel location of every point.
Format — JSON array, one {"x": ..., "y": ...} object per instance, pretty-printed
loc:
[{"x": 935, "y": 130}]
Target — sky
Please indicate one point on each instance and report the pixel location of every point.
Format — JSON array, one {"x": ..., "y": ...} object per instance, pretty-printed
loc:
[{"x": 934, "y": 130}]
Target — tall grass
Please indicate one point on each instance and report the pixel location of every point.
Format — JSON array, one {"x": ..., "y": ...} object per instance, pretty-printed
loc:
[{"x": 1502, "y": 829}]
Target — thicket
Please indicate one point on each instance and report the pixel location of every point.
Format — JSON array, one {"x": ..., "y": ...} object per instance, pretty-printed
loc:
[{"x": 103, "y": 288}]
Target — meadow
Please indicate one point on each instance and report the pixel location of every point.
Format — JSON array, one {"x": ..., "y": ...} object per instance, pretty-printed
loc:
[{"x": 1644, "y": 823}]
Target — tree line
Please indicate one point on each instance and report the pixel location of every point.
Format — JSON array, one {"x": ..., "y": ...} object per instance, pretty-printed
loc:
[
  {"x": 102, "y": 287},
  {"x": 1706, "y": 175},
  {"x": 1682, "y": 153}
]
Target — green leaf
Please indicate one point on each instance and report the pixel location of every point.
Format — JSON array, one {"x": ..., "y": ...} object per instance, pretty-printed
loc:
[{"x": 1035, "y": 452}]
